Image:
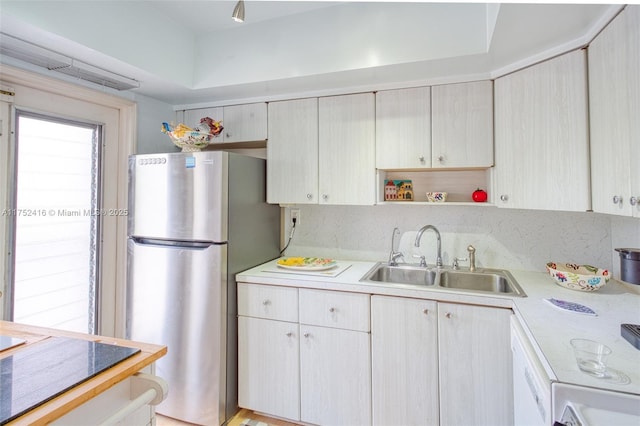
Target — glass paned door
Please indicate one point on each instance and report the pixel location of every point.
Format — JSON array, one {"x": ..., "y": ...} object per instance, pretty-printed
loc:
[{"x": 57, "y": 226}]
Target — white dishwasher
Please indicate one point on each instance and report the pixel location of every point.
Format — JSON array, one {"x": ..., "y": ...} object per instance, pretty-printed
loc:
[{"x": 531, "y": 384}]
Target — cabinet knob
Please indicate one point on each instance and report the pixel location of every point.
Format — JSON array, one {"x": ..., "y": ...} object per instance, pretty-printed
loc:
[
  {"x": 425, "y": 311},
  {"x": 306, "y": 335},
  {"x": 309, "y": 196},
  {"x": 289, "y": 334},
  {"x": 325, "y": 197},
  {"x": 266, "y": 302},
  {"x": 441, "y": 159},
  {"x": 421, "y": 159},
  {"x": 227, "y": 135},
  {"x": 448, "y": 315},
  {"x": 617, "y": 199},
  {"x": 633, "y": 200},
  {"x": 504, "y": 197},
  {"x": 332, "y": 310}
]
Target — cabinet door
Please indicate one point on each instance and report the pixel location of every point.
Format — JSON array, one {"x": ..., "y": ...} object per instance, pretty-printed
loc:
[
  {"x": 475, "y": 365},
  {"x": 404, "y": 361},
  {"x": 542, "y": 153},
  {"x": 403, "y": 128},
  {"x": 268, "y": 367},
  {"x": 462, "y": 121},
  {"x": 244, "y": 123},
  {"x": 633, "y": 50},
  {"x": 614, "y": 97},
  {"x": 347, "y": 149},
  {"x": 335, "y": 376},
  {"x": 292, "y": 152}
]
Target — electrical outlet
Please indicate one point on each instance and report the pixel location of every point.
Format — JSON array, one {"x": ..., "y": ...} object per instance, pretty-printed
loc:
[{"x": 295, "y": 214}]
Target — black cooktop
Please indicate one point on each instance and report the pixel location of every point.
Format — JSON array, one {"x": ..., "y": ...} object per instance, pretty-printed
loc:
[{"x": 42, "y": 371}]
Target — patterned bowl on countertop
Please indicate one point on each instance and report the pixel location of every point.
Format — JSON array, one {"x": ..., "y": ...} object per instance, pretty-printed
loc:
[{"x": 578, "y": 277}]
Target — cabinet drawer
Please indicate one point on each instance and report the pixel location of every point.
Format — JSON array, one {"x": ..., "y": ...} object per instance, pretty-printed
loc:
[
  {"x": 335, "y": 309},
  {"x": 267, "y": 301}
]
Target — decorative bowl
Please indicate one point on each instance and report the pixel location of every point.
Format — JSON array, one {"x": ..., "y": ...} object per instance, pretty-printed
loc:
[
  {"x": 192, "y": 139},
  {"x": 578, "y": 277},
  {"x": 436, "y": 197}
]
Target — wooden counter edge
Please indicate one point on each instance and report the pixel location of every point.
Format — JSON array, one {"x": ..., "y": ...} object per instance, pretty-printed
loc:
[{"x": 80, "y": 394}]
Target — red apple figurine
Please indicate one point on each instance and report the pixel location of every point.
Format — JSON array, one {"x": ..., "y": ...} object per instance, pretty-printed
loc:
[{"x": 479, "y": 195}]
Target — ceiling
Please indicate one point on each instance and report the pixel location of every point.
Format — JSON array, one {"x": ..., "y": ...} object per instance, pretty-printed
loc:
[{"x": 191, "y": 53}]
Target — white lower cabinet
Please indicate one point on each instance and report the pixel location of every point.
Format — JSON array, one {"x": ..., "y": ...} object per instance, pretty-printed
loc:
[
  {"x": 404, "y": 361},
  {"x": 335, "y": 376},
  {"x": 316, "y": 370},
  {"x": 440, "y": 363},
  {"x": 268, "y": 350},
  {"x": 474, "y": 353},
  {"x": 268, "y": 367},
  {"x": 326, "y": 357}
]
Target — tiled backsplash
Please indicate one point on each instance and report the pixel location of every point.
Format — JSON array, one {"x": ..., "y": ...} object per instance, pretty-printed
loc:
[{"x": 503, "y": 238}]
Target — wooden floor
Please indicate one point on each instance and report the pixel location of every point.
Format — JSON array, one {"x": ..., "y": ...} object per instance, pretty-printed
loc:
[{"x": 236, "y": 420}]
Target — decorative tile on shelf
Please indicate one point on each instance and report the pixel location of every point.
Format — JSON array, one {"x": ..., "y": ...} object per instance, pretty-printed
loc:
[{"x": 398, "y": 190}]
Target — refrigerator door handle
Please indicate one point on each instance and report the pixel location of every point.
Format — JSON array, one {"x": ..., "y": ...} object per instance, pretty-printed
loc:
[{"x": 196, "y": 245}]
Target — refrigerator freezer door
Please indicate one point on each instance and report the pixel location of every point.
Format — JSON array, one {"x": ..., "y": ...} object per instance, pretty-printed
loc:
[
  {"x": 178, "y": 301},
  {"x": 179, "y": 196}
]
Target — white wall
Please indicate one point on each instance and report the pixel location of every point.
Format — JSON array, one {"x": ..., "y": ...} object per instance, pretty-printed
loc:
[
  {"x": 151, "y": 114},
  {"x": 504, "y": 238}
]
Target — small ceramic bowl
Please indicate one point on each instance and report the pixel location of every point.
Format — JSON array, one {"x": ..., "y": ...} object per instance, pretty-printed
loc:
[
  {"x": 578, "y": 277},
  {"x": 436, "y": 197}
]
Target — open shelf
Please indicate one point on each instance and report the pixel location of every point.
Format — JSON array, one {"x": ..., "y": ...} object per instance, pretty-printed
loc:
[{"x": 458, "y": 184}]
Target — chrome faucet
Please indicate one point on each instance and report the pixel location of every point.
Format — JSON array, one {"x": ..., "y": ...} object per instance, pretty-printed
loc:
[
  {"x": 472, "y": 258},
  {"x": 394, "y": 255},
  {"x": 439, "y": 247}
]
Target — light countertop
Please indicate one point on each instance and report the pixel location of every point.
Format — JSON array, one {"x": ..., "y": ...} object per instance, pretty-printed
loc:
[{"x": 549, "y": 328}]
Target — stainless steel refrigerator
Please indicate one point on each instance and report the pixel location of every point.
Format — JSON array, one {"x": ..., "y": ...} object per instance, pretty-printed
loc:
[{"x": 195, "y": 220}]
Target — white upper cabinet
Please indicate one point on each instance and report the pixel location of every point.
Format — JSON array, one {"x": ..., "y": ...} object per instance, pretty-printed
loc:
[
  {"x": 242, "y": 123},
  {"x": 614, "y": 109},
  {"x": 346, "y": 152},
  {"x": 541, "y": 137},
  {"x": 448, "y": 126},
  {"x": 462, "y": 125},
  {"x": 403, "y": 128},
  {"x": 247, "y": 122},
  {"x": 292, "y": 152}
]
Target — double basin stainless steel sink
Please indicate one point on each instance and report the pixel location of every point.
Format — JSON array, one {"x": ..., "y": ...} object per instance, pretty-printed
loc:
[{"x": 487, "y": 281}]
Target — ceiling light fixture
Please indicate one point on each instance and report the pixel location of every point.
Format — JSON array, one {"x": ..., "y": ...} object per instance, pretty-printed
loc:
[{"x": 238, "y": 12}]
